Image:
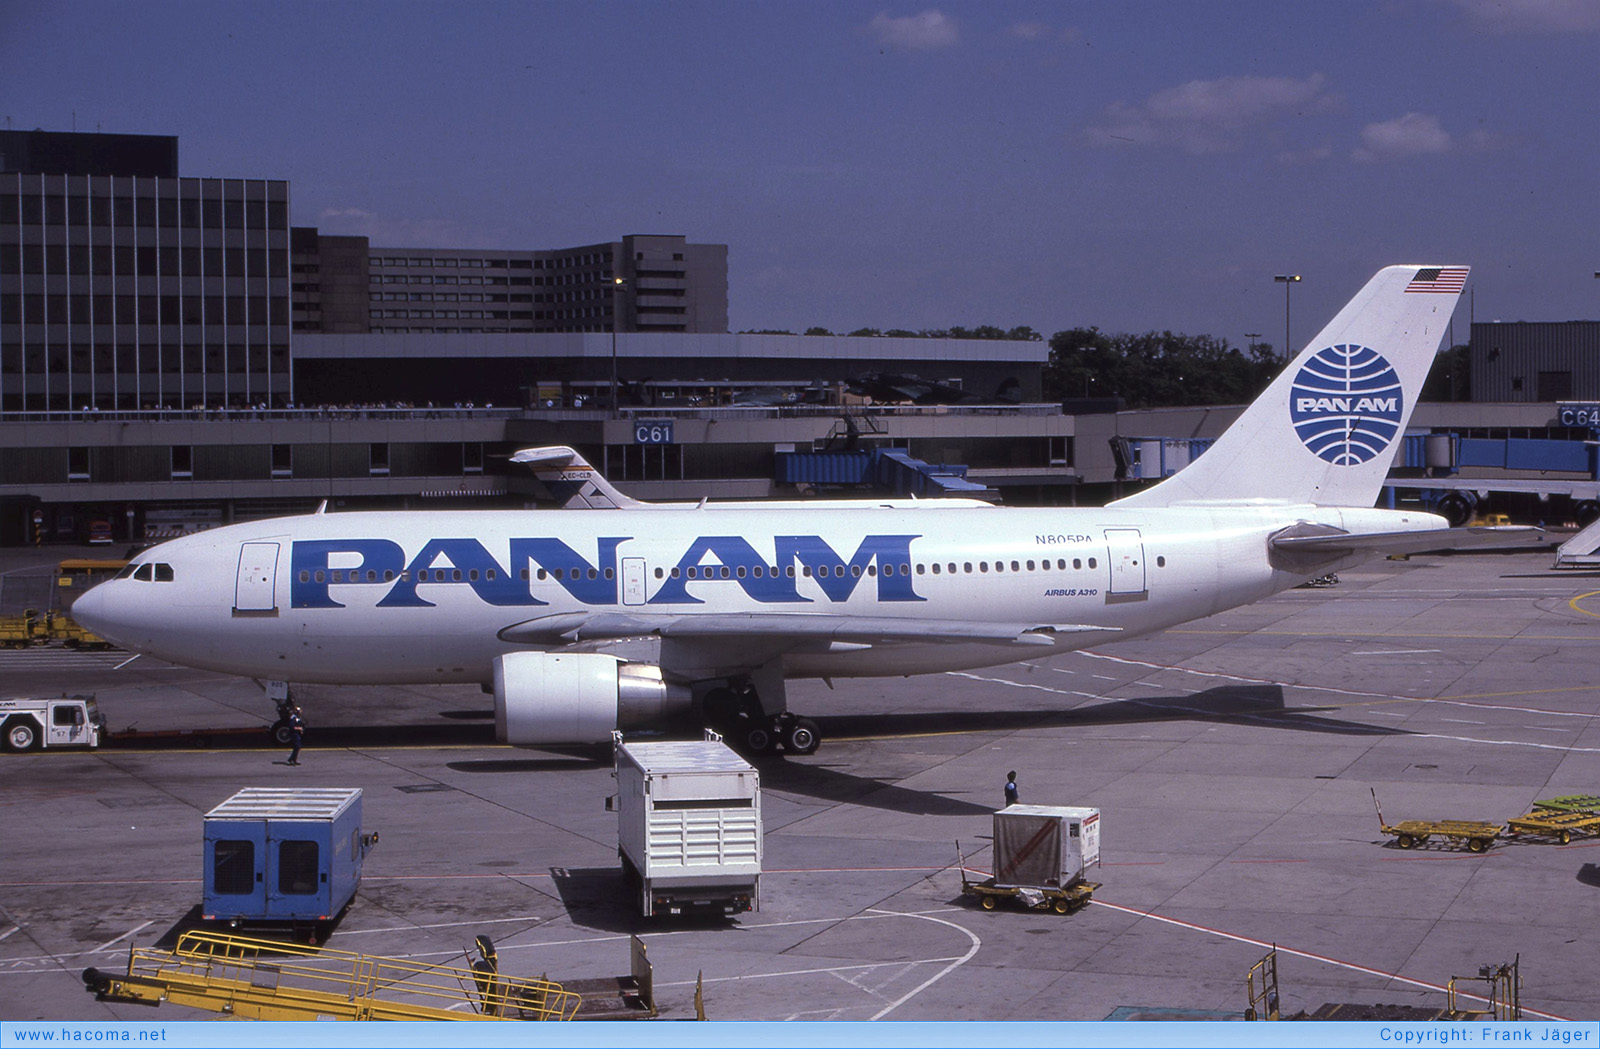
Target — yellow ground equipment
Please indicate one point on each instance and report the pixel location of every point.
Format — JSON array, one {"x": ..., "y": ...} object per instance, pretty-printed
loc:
[
  {"x": 1062, "y": 900},
  {"x": 1261, "y": 987},
  {"x": 267, "y": 980},
  {"x": 1560, "y": 818},
  {"x": 1473, "y": 835},
  {"x": 1504, "y": 1000},
  {"x": 22, "y": 631}
]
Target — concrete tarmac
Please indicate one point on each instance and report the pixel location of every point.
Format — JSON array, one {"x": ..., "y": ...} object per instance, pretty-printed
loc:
[{"x": 1233, "y": 759}]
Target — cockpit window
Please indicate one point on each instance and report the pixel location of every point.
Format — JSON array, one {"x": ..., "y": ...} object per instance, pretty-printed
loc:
[
  {"x": 144, "y": 574},
  {"x": 163, "y": 573},
  {"x": 127, "y": 570}
]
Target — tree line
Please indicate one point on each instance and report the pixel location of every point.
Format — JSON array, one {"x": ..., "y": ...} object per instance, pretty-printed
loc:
[{"x": 1158, "y": 369}]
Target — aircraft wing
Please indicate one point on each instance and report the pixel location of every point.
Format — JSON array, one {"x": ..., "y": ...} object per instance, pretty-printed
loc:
[
  {"x": 802, "y": 627},
  {"x": 1412, "y": 542}
]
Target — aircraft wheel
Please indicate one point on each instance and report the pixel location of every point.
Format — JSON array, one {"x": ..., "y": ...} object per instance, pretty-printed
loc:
[
  {"x": 1586, "y": 511},
  {"x": 280, "y": 733},
  {"x": 759, "y": 739},
  {"x": 802, "y": 737},
  {"x": 21, "y": 735}
]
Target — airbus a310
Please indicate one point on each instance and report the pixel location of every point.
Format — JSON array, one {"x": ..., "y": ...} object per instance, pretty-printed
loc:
[{"x": 638, "y": 616}]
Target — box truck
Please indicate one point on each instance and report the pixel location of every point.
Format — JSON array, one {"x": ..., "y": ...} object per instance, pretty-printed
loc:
[{"x": 688, "y": 826}]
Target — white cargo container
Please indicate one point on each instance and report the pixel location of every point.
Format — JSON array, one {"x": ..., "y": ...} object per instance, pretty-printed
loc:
[
  {"x": 689, "y": 826},
  {"x": 1044, "y": 846}
]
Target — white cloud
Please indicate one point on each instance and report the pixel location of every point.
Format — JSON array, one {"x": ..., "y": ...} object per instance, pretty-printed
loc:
[
  {"x": 1412, "y": 135},
  {"x": 1532, "y": 16},
  {"x": 924, "y": 32},
  {"x": 1045, "y": 31},
  {"x": 1212, "y": 116}
]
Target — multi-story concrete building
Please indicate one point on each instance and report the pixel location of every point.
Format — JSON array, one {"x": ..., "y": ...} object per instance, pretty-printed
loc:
[
  {"x": 642, "y": 283},
  {"x": 126, "y": 286}
]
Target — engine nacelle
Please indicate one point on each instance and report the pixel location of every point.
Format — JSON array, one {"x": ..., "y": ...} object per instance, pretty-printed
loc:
[{"x": 558, "y": 698}]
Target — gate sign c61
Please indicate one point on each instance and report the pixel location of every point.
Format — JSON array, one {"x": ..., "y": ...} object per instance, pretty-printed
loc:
[
  {"x": 652, "y": 431},
  {"x": 1573, "y": 413}
]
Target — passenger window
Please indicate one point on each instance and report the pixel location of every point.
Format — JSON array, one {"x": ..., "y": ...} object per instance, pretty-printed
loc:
[
  {"x": 1077, "y": 563},
  {"x": 1030, "y": 566},
  {"x": 145, "y": 572},
  {"x": 163, "y": 573},
  {"x": 658, "y": 573},
  {"x": 1161, "y": 562},
  {"x": 1014, "y": 567},
  {"x": 1091, "y": 562},
  {"x": 983, "y": 566},
  {"x": 936, "y": 568},
  {"x": 233, "y": 868}
]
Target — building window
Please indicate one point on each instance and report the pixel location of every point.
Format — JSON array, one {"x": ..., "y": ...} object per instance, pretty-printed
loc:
[
  {"x": 282, "y": 460},
  {"x": 77, "y": 464},
  {"x": 378, "y": 460},
  {"x": 182, "y": 462}
]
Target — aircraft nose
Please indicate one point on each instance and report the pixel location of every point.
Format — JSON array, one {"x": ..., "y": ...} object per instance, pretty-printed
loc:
[{"x": 89, "y": 610}]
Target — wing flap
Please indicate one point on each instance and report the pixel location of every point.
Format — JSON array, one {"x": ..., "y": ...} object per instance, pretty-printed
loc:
[{"x": 802, "y": 627}]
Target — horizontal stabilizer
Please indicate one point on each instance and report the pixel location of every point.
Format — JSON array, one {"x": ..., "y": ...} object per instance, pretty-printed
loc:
[
  {"x": 584, "y": 626},
  {"x": 1412, "y": 542}
]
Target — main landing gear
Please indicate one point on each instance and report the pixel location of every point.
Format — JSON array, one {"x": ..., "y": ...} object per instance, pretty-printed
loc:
[{"x": 739, "y": 716}]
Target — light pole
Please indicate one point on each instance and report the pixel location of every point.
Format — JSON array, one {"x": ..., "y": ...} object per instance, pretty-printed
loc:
[
  {"x": 1252, "y": 336},
  {"x": 616, "y": 317},
  {"x": 1287, "y": 279}
]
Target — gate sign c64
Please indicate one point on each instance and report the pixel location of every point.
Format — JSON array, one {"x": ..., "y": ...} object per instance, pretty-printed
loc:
[
  {"x": 652, "y": 431},
  {"x": 1572, "y": 413}
]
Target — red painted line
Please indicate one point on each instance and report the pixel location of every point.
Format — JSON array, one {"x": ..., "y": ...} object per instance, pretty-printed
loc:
[{"x": 1269, "y": 861}]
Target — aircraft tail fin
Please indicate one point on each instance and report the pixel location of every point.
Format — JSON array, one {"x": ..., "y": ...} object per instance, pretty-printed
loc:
[
  {"x": 572, "y": 482},
  {"x": 1326, "y": 430}
]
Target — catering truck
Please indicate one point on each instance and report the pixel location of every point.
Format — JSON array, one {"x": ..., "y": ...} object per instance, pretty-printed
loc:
[{"x": 688, "y": 826}]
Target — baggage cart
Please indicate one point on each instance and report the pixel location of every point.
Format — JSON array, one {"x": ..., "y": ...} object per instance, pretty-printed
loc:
[{"x": 1473, "y": 835}]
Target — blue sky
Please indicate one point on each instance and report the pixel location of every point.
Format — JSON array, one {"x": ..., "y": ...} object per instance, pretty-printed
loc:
[{"x": 1130, "y": 165}]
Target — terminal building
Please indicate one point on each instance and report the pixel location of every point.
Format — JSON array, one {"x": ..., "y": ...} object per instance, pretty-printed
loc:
[{"x": 175, "y": 354}]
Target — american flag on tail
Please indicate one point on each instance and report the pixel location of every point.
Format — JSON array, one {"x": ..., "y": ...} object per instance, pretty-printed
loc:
[{"x": 1444, "y": 280}]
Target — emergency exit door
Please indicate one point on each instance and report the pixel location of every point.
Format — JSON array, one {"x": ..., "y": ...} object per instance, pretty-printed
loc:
[{"x": 633, "y": 580}]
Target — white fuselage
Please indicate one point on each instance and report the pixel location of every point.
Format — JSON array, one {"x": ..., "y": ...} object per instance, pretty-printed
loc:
[{"x": 393, "y": 597}]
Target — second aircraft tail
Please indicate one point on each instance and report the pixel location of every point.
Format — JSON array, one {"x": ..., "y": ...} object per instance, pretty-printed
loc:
[{"x": 1326, "y": 430}]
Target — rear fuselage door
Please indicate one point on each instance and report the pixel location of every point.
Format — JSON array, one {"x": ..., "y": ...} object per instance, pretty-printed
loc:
[
  {"x": 1125, "y": 555},
  {"x": 255, "y": 589}
]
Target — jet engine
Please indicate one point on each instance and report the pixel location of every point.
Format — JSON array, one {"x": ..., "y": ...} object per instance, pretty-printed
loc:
[{"x": 555, "y": 698}]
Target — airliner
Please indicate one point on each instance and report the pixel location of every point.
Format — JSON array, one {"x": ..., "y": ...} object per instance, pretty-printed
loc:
[{"x": 614, "y": 614}]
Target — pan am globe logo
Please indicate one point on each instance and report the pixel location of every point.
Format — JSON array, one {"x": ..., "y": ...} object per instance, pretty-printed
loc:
[{"x": 1346, "y": 404}]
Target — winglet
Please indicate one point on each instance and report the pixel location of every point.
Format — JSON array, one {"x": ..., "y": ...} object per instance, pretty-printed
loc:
[{"x": 572, "y": 482}]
